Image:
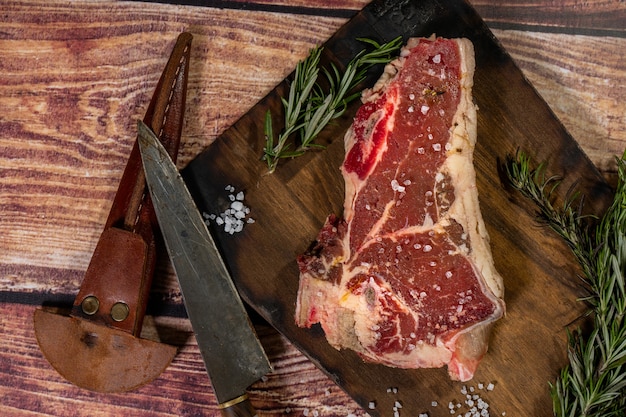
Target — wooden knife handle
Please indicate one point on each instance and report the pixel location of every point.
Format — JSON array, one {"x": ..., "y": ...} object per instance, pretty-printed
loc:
[{"x": 239, "y": 407}]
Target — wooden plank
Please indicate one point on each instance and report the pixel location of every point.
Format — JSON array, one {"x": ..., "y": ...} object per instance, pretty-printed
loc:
[
  {"x": 75, "y": 81},
  {"x": 571, "y": 16},
  {"x": 30, "y": 387},
  {"x": 341, "y": 8}
]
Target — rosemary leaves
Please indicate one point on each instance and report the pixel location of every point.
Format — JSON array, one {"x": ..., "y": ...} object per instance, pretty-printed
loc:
[
  {"x": 309, "y": 107},
  {"x": 594, "y": 382}
]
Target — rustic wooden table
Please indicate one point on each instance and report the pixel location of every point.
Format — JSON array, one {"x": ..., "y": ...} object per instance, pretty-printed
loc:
[{"x": 75, "y": 76}]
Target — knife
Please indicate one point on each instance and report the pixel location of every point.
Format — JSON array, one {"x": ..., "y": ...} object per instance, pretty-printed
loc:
[{"x": 232, "y": 353}]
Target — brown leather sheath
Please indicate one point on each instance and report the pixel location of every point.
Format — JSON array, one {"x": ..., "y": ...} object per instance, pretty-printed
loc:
[{"x": 117, "y": 283}]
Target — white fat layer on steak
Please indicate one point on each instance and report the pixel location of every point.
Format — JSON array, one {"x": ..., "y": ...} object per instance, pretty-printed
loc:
[{"x": 353, "y": 184}]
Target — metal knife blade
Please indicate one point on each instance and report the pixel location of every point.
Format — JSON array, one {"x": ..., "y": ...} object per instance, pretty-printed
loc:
[{"x": 232, "y": 353}]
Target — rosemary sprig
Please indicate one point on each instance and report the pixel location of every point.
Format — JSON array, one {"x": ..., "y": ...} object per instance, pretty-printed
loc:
[
  {"x": 309, "y": 107},
  {"x": 594, "y": 382}
]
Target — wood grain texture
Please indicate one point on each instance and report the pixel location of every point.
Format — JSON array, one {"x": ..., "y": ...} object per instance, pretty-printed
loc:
[
  {"x": 30, "y": 387},
  {"x": 72, "y": 99},
  {"x": 75, "y": 77},
  {"x": 596, "y": 16},
  {"x": 583, "y": 80}
]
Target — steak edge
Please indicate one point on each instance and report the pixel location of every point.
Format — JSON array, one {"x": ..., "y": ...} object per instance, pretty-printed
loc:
[{"x": 406, "y": 278}]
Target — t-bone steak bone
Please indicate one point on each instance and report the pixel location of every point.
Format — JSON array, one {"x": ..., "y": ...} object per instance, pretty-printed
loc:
[{"x": 406, "y": 278}]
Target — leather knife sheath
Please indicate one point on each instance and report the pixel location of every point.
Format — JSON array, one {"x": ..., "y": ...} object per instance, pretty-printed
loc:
[{"x": 119, "y": 276}]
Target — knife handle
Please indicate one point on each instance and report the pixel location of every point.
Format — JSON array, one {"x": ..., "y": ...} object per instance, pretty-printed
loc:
[{"x": 238, "y": 407}]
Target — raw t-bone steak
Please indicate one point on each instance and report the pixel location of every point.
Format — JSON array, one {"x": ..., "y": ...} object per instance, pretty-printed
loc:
[{"x": 406, "y": 278}]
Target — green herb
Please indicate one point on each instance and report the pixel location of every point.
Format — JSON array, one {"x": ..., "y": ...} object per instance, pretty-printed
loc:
[
  {"x": 310, "y": 107},
  {"x": 594, "y": 382}
]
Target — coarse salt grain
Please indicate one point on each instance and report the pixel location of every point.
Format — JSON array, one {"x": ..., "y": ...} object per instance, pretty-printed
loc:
[
  {"x": 395, "y": 185},
  {"x": 475, "y": 405},
  {"x": 233, "y": 218}
]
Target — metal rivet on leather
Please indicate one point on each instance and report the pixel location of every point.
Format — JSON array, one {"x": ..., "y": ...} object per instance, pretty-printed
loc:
[
  {"x": 120, "y": 311},
  {"x": 90, "y": 305}
]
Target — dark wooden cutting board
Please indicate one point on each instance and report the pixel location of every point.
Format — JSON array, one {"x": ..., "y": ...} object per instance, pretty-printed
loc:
[{"x": 528, "y": 346}]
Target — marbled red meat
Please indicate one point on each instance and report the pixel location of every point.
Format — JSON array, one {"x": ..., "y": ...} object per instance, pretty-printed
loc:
[{"x": 406, "y": 277}]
